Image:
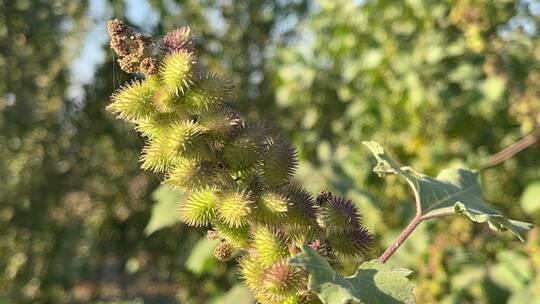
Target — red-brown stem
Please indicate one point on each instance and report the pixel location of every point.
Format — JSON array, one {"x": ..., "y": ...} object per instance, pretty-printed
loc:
[
  {"x": 409, "y": 229},
  {"x": 400, "y": 239},
  {"x": 494, "y": 160},
  {"x": 512, "y": 150},
  {"x": 418, "y": 218}
]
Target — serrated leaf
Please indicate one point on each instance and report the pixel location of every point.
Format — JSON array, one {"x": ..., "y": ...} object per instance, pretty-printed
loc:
[
  {"x": 372, "y": 283},
  {"x": 164, "y": 209},
  {"x": 452, "y": 191}
]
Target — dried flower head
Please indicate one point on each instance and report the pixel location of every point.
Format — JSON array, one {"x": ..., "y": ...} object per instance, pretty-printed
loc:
[
  {"x": 148, "y": 66},
  {"x": 178, "y": 40},
  {"x": 223, "y": 251},
  {"x": 129, "y": 45}
]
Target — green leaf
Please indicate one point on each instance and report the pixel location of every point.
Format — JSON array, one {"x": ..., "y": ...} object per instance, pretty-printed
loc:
[
  {"x": 164, "y": 209},
  {"x": 201, "y": 259},
  {"x": 512, "y": 271},
  {"x": 452, "y": 191},
  {"x": 372, "y": 283},
  {"x": 530, "y": 199},
  {"x": 238, "y": 294}
]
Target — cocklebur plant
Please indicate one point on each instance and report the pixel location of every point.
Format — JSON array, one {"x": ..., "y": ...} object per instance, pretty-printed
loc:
[
  {"x": 236, "y": 174},
  {"x": 237, "y": 179}
]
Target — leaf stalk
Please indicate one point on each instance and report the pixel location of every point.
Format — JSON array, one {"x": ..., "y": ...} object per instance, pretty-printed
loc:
[
  {"x": 418, "y": 218},
  {"x": 400, "y": 239}
]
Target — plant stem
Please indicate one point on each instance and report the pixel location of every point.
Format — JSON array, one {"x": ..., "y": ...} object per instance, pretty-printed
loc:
[
  {"x": 400, "y": 239},
  {"x": 512, "y": 150},
  {"x": 494, "y": 160},
  {"x": 417, "y": 198},
  {"x": 418, "y": 218},
  {"x": 409, "y": 229}
]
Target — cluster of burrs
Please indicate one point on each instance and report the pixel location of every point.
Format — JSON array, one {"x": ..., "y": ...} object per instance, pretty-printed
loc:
[{"x": 236, "y": 175}]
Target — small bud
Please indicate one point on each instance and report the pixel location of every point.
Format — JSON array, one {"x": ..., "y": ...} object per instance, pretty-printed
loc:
[
  {"x": 316, "y": 245},
  {"x": 185, "y": 138},
  {"x": 223, "y": 251}
]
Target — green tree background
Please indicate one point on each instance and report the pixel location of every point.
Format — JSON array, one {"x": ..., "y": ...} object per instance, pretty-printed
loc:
[{"x": 439, "y": 83}]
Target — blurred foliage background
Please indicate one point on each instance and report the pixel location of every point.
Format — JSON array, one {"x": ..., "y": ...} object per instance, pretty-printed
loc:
[{"x": 438, "y": 83}]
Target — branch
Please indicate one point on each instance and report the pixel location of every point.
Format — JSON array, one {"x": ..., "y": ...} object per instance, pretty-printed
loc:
[
  {"x": 418, "y": 218},
  {"x": 512, "y": 150}
]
